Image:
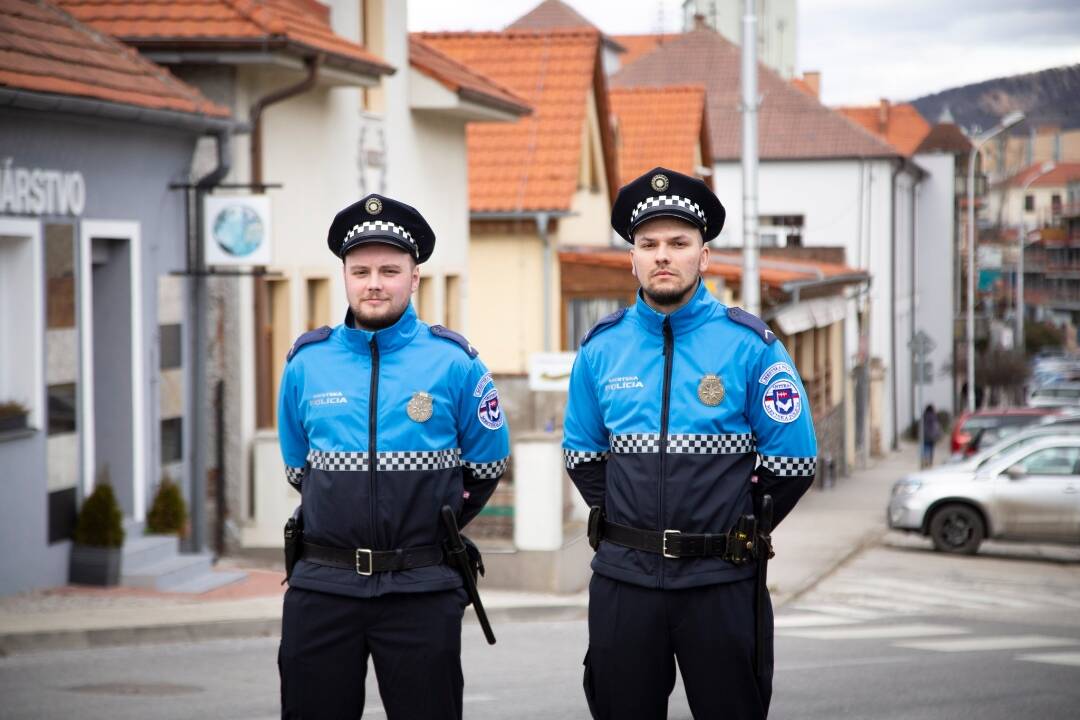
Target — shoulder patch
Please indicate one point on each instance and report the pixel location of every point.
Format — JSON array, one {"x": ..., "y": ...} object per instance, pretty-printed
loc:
[
  {"x": 753, "y": 322},
  {"x": 446, "y": 334},
  {"x": 603, "y": 324},
  {"x": 313, "y": 336}
]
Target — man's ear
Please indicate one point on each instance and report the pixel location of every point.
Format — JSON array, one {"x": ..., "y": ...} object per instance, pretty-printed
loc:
[
  {"x": 633, "y": 267},
  {"x": 703, "y": 261},
  {"x": 415, "y": 277}
]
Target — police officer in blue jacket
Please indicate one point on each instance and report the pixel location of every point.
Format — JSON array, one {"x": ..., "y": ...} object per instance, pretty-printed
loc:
[
  {"x": 383, "y": 420},
  {"x": 682, "y": 413}
]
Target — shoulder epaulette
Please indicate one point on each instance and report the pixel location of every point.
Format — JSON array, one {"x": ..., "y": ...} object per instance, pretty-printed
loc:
[
  {"x": 447, "y": 334},
  {"x": 312, "y": 336},
  {"x": 603, "y": 324},
  {"x": 753, "y": 322}
]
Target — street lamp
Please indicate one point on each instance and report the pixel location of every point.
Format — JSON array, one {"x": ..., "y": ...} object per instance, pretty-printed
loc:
[
  {"x": 1010, "y": 120},
  {"x": 1046, "y": 167}
]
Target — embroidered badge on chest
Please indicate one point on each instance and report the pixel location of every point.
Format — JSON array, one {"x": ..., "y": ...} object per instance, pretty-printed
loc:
[
  {"x": 710, "y": 390},
  {"x": 782, "y": 401},
  {"x": 420, "y": 407}
]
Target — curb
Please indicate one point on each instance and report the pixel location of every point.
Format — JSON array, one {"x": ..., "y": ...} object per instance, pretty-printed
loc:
[{"x": 867, "y": 541}]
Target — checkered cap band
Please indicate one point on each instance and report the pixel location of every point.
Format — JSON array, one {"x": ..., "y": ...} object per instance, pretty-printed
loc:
[
  {"x": 668, "y": 201},
  {"x": 573, "y": 458},
  {"x": 635, "y": 443},
  {"x": 380, "y": 226},
  {"x": 338, "y": 461},
  {"x": 487, "y": 470},
  {"x": 789, "y": 466},
  {"x": 294, "y": 475},
  {"x": 711, "y": 444},
  {"x": 396, "y": 461}
]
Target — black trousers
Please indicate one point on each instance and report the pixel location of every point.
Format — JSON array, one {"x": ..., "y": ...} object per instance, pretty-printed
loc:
[
  {"x": 414, "y": 640},
  {"x": 636, "y": 634}
]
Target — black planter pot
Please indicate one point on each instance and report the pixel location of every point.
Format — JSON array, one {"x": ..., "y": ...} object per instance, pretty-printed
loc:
[
  {"x": 12, "y": 422},
  {"x": 95, "y": 565}
]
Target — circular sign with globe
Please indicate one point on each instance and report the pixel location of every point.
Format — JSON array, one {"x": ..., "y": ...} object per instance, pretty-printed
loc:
[{"x": 238, "y": 230}]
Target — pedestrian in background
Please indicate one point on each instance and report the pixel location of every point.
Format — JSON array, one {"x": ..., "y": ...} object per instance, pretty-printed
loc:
[{"x": 931, "y": 433}]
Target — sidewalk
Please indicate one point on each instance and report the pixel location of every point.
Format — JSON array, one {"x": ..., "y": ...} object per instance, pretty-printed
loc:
[{"x": 825, "y": 529}]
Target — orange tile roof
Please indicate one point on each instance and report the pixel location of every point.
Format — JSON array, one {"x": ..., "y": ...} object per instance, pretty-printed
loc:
[
  {"x": 947, "y": 138},
  {"x": 660, "y": 126},
  {"x": 899, "y": 125},
  {"x": 638, "y": 45},
  {"x": 531, "y": 164},
  {"x": 727, "y": 266},
  {"x": 557, "y": 15},
  {"x": 791, "y": 124},
  {"x": 43, "y": 49},
  {"x": 301, "y": 26},
  {"x": 463, "y": 80},
  {"x": 1062, "y": 173}
]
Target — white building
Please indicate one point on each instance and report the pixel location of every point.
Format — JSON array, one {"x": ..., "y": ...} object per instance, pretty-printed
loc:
[{"x": 777, "y": 22}]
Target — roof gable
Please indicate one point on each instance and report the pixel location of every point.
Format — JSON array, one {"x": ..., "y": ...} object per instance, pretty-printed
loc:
[
  {"x": 791, "y": 124},
  {"x": 899, "y": 125},
  {"x": 43, "y": 49},
  {"x": 660, "y": 126},
  {"x": 532, "y": 164},
  {"x": 462, "y": 80}
]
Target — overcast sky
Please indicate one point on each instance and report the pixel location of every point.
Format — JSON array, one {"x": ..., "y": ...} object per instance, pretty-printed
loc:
[{"x": 865, "y": 49}]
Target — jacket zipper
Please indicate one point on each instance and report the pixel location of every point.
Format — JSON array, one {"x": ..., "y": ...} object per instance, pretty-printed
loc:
[
  {"x": 373, "y": 410},
  {"x": 665, "y": 402}
]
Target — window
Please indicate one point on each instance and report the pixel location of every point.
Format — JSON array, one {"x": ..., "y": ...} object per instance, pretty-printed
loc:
[
  {"x": 62, "y": 409},
  {"x": 318, "y": 303},
  {"x": 583, "y": 313},
  {"x": 172, "y": 448},
  {"x": 1029, "y": 203},
  {"x": 781, "y": 230},
  {"x": 452, "y": 306},
  {"x": 171, "y": 342},
  {"x": 425, "y": 300},
  {"x": 1051, "y": 461}
]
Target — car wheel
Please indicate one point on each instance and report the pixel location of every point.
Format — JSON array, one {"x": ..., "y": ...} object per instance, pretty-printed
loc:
[{"x": 957, "y": 529}]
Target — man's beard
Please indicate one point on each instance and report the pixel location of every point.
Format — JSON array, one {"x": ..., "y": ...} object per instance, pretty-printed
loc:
[
  {"x": 670, "y": 296},
  {"x": 381, "y": 321}
]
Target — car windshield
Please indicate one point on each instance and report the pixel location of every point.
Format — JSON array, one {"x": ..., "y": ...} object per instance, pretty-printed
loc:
[{"x": 1006, "y": 446}]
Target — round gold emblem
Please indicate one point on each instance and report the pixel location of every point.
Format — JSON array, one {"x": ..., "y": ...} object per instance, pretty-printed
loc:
[
  {"x": 420, "y": 407},
  {"x": 660, "y": 182},
  {"x": 710, "y": 390},
  {"x": 373, "y": 206}
]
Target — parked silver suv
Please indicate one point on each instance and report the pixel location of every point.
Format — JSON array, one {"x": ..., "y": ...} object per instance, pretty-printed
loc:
[{"x": 1029, "y": 492}]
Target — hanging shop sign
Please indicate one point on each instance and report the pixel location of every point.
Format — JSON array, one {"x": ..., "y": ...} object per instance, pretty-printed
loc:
[{"x": 236, "y": 230}]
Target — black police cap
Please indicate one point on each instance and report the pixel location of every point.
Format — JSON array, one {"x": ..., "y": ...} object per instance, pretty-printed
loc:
[
  {"x": 666, "y": 193},
  {"x": 382, "y": 220}
]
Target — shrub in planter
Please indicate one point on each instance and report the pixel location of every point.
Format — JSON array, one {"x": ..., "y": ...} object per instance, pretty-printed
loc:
[
  {"x": 13, "y": 416},
  {"x": 99, "y": 538},
  {"x": 168, "y": 514}
]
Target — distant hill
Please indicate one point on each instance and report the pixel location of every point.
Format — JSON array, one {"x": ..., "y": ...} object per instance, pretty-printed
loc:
[{"x": 1047, "y": 97}]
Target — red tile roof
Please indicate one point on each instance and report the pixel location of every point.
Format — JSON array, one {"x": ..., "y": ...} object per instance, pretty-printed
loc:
[
  {"x": 660, "y": 126},
  {"x": 727, "y": 266},
  {"x": 458, "y": 78},
  {"x": 45, "y": 50},
  {"x": 532, "y": 164},
  {"x": 557, "y": 15},
  {"x": 945, "y": 137},
  {"x": 299, "y": 26},
  {"x": 791, "y": 124},
  {"x": 899, "y": 125},
  {"x": 1062, "y": 173},
  {"x": 639, "y": 45}
]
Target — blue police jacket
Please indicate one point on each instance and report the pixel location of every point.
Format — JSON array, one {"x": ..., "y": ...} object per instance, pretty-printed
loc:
[
  {"x": 668, "y": 419},
  {"x": 378, "y": 431}
]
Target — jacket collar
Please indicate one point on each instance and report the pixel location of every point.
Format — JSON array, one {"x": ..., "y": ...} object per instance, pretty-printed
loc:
[
  {"x": 388, "y": 339},
  {"x": 690, "y": 316}
]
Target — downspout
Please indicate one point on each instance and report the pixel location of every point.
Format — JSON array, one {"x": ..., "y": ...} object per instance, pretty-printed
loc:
[
  {"x": 916, "y": 365},
  {"x": 895, "y": 444},
  {"x": 542, "y": 229},
  {"x": 200, "y": 348},
  {"x": 263, "y": 368}
]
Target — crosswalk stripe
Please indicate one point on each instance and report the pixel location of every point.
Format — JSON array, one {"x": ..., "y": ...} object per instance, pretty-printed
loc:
[
  {"x": 963, "y": 596},
  {"x": 881, "y": 632},
  {"x": 844, "y": 611},
  {"x": 887, "y": 605},
  {"x": 811, "y": 620},
  {"x": 979, "y": 644},
  {"x": 1053, "y": 658},
  {"x": 911, "y": 599}
]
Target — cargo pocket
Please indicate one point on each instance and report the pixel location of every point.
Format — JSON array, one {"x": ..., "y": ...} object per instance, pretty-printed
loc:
[{"x": 587, "y": 682}]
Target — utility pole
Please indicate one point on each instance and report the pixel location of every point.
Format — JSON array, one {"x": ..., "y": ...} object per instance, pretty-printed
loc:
[{"x": 751, "y": 283}]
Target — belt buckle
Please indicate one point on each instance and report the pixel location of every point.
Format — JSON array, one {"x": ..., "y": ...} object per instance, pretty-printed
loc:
[
  {"x": 664, "y": 547},
  {"x": 361, "y": 552}
]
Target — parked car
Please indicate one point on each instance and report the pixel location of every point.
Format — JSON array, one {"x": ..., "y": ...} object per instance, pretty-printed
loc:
[
  {"x": 1028, "y": 493},
  {"x": 1056, "y": 394},
  {"x": 1003, "y": 420},
  {"x": 1049, "y": 426}
]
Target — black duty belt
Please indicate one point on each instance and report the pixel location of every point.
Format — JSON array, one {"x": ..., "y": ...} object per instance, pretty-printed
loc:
[
  {"x": 366, "y": 562},
  {"x": 675, "y": 544}
]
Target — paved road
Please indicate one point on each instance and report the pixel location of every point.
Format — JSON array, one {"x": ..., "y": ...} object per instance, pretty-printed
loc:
[{"x": 899, "y": 632}]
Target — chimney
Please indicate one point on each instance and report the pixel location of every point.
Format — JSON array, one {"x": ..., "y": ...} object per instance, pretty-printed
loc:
[
  {"x": 883, "y": 116},
  {"x": 812, "y": 78},
  {"x": 699, "y": 22}
]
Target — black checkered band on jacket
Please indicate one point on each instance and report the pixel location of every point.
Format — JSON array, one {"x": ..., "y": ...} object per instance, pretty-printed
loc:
[
  {"x": 390, "y": 461},
  {"x": 383, "y": 227},
  {"x": 789, "y": 466},
  {"x": 684, "y": 444},
  {"x": 487, "y": 470},
  {"x": 294, "y": 475},
  {"x": 573, "y": 458},
  {"x": 668, "y": 201}
]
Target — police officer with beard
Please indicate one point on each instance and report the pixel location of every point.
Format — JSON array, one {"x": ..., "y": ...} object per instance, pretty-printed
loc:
[
  {"x": 383, "y": 420},
  {"x": 683, "y": 415}
]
